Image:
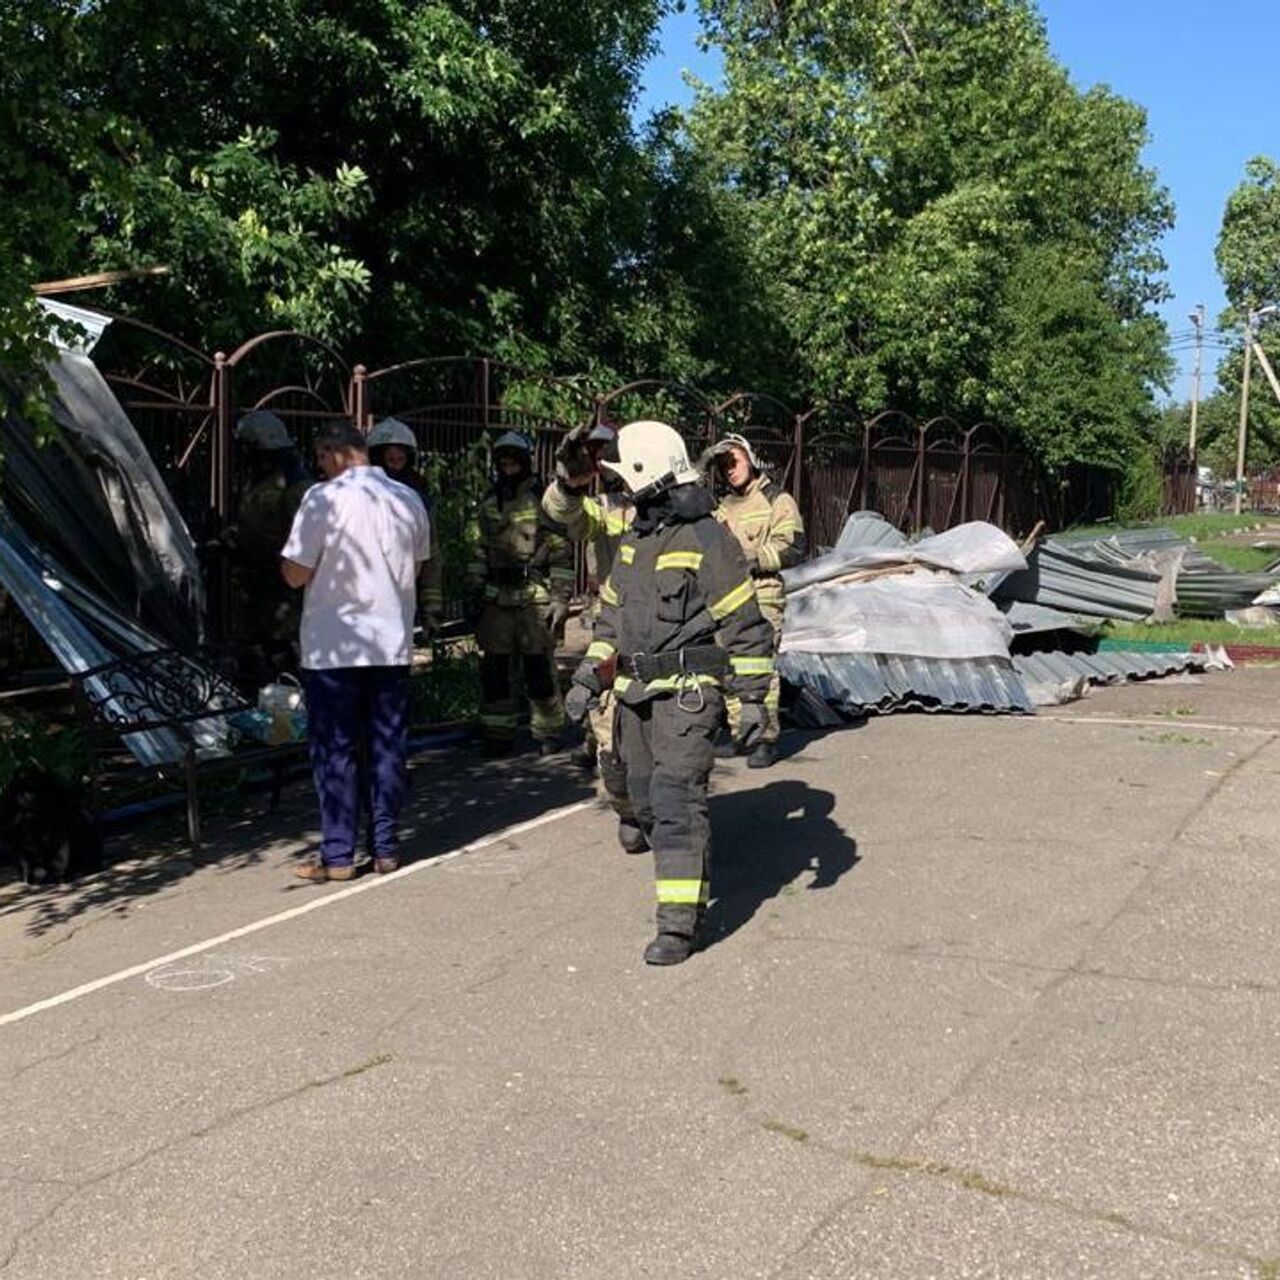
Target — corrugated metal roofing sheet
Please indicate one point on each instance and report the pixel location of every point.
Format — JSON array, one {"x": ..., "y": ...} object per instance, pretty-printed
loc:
[
  {"x": 869, "y": 529},
  {"x": 1037, "y": 619},
  {"x": 1110, "y": 667},
  {"x": 858, "y": 683},
  {"x": 1118, "y": 576}
]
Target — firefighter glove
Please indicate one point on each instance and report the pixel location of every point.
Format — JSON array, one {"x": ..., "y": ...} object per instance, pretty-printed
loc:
[
  {"x": 588, "y": 676},
  {"x": 556, "y": 616},
  {"x": 574, "y": 467},
  {"x": 577, "y": 702},
  {"x": 752, "y": 722}
]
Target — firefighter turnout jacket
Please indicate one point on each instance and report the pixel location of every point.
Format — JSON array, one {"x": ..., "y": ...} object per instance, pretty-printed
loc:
[
  {"x": 766, "y": 522},
  {"x": 598, "y": 521},
  {"x": 519, "y": 557},
  {"x": 678, "y": 582}
]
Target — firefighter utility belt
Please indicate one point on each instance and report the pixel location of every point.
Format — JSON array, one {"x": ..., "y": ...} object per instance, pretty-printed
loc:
[
  {"x": 696, "y": 660},
  {"x": 513, "y": 575}
]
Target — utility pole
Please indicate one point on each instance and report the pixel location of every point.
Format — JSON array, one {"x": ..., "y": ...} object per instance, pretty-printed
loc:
[
  {"x": 1244, "y": 411},
  {"x": 1251, "y": 318},
  {"x": 1197, "y": 319},
  {"x": 1261, "y": 356}
]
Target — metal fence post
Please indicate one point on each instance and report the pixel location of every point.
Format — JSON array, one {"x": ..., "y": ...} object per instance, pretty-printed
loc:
[
  {"x": 359, "y": 398},
  {"x": 921, "y": 460},
  {"x": 864, "y": 499},
  {"x": 797, "y": 469},
  {"x": 220, "y": 454}
]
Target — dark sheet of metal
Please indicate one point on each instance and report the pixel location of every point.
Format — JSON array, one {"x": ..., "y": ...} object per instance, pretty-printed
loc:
[{"x": 93, "y": 499}]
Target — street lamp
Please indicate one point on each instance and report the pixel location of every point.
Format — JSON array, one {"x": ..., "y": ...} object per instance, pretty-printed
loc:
[
  {"x": 1197, "y": 319},
  {"x": 1250, "y": 323}
]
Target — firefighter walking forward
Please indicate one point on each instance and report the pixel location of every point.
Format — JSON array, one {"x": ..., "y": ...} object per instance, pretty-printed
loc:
[{"x": 678, "y": 625}]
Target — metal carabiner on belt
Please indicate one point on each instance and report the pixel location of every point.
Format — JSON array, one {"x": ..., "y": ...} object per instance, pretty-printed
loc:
[{"x": 687, "y": 683}]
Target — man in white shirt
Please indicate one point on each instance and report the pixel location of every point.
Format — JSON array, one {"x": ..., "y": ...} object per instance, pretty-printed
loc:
[{"x": 356, "y": 544}]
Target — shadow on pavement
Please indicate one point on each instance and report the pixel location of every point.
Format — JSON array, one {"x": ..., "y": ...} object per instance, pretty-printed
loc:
[
  {"x": 765, "y": 839},
  {"x": 794, "y": 741},
  {"x": 455, "y": 797}
]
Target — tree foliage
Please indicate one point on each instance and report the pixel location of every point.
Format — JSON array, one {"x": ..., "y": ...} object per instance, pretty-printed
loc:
[
  {"x": 948, "y": 223},
  {"x": 904, "y": 203},
  {"x": 1248, "y": 257}
]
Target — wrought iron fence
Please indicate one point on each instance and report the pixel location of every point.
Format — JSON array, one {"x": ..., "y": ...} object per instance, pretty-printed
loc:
[{"x": 834, "y": 460}]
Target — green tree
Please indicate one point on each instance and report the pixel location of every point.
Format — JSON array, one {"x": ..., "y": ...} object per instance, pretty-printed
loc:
[
  {"x": 1248, "y": 250},
  {"x": 491, "y": 142},
  {"x": 50, "y": 150},
  {"x": 909, "y": 169},
  {"x": 434, "y": 176},
  {"x": 1248, "y": 258}
]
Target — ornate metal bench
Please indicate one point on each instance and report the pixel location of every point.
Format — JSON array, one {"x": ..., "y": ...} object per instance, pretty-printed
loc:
[{"x": 168, "y": 707}]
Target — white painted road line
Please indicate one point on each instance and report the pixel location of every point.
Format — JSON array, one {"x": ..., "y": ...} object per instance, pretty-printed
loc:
[
  {"x": 365, "y": 885},
  {"x": 1153, "y": 722}
]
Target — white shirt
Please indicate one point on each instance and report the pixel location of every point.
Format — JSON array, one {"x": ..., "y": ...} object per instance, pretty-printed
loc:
[{"x": 363, "y": 534}]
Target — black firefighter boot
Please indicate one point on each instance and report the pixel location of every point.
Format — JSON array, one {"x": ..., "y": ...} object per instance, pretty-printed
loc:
[
  {"x": 676, "y": 940},
  {"x": 762, "y": 755},
  {"x": 631, "y": 837}
]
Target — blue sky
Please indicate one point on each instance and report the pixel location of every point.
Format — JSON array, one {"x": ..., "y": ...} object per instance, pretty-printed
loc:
[{"x": 1200, "y": 71}]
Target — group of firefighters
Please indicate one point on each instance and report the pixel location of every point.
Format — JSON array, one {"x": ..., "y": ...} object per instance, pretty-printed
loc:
[{"x": 684, "y": 627}]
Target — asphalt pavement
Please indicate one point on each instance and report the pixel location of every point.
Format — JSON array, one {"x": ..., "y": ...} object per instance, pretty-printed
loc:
[{"x": 983, "y": 997}]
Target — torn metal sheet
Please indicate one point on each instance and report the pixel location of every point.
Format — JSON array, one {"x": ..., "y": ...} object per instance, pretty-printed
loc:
[
  {"x": 1077, "y": 578},
  {"x": 886, "y": 626},
  {"x": 83, "y": 634},
  {"x": 971, "y": 551},
  {"x": 869, "y": 529},
  {"x": 1037, "y": 619},
  {"x": 1088, "y": 572},
  {"x": 1112, "y": 666},
  {"x": 86, "y": 327},
  {"x": 861, "y": 683},
  {"x": 93, "y": 498}
]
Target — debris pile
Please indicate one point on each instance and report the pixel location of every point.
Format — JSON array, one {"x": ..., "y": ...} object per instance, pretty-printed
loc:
[
  {"x": 93, "y": 549},
  {"x": 1138, "y": 575},
  {"x": 883, "y": 624}
]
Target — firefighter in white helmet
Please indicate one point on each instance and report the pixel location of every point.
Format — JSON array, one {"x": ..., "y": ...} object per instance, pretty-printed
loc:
[
  {"x": 264, "y": 612},
  {"x": 766, "y": 521},
  {"x": 678, "y": 626},
  {"x": 521, "y": 581},
  {"x": 394, "y": 447}
]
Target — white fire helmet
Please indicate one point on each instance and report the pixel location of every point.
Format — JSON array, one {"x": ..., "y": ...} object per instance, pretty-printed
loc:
[
  {"x": 651, "y": 457},
  {"x": 735, "y": 441},
  {"x": 262, "y": 429},
  {"x": 392, "y": 431},
  {"x": 513, "y": 442}
]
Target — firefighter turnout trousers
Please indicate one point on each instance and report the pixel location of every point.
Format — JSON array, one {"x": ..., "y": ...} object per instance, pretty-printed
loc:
[
  {"x": 506, "y": 633},
  {"x": 669, "y": 753},
  {"x": 773, "y": 616},
  {"x": 602, "y": 728}
]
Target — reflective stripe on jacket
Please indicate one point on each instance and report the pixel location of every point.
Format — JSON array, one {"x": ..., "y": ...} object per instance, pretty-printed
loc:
[
  {"x": 599, "y": 521},
  {"x": 767, "y": 524},
  {"x": 519, "y": 557},
  {"x": 680, "y": 585}
]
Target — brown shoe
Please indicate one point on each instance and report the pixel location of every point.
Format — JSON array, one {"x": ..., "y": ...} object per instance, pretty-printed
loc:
[
  {"x": 317, "y": 871},
  {"x": 385, "y": 866}
]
